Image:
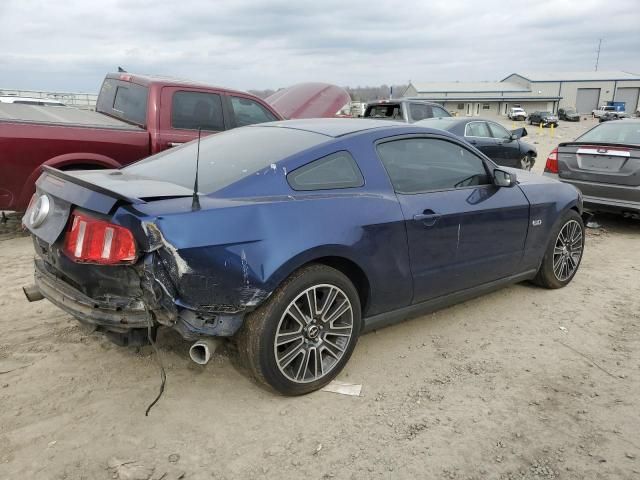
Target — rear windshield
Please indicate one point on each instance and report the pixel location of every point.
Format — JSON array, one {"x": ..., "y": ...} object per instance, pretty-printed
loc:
[
  {"x": 620, "y": 131},
  {"x": 388, "y": 111},
  {"x": 226, "y": 157},
  {"x": 124, "y": 100}
]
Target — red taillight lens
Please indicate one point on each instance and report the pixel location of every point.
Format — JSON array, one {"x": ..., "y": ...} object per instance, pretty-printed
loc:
[
  {"x": 95, "y": 241},
  {"x": 552, "y": 162}
]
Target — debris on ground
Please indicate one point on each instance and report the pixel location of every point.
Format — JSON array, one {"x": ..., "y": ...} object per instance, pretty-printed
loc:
[
  {"x": 129, "y": 470},
  {"x": 343, "y": 388}
]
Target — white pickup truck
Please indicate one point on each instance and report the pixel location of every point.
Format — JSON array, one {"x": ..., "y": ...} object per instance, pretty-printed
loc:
[
  {"x": 599, "y": 112},
  {"x": 516, "y": 113}
]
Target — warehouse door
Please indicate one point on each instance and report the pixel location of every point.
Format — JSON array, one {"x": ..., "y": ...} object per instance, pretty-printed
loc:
[
  {"x": 629, "y": 96},
  {"x": 587, "y": 99}
]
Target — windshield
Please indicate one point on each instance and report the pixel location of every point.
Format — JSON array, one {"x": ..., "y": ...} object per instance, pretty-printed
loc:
[
  {"x": 225, "y": 157},
  {"x": 546, "y": 114},
  {"x": 614, "y": 132},
  {"x": 569, "y": 110}
]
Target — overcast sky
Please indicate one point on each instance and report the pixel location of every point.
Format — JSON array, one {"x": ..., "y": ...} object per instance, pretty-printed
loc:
[{"x": 69, "y": 45}]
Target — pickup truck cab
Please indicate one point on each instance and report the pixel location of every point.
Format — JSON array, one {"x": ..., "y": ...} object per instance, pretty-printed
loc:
[
  {"x": 599, "y": 112},
  {"x": 404, "y": 110},
  {"x": 136, "y": 116},
  {"x": 517, "y": 113}
]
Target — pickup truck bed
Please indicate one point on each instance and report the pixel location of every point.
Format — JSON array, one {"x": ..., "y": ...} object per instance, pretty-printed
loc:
[{"x": 63, "y": 116}]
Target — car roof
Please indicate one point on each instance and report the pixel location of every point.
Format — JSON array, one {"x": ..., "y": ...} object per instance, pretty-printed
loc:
[
  {"x": 402, "y": 100},
  {"x": 331, "y": 127}
]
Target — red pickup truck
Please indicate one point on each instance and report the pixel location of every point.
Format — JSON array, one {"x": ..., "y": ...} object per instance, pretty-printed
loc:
[{"x": 136, "y": 116}]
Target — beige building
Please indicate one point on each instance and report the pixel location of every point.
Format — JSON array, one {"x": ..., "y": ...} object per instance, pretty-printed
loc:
[{"x": 584, "y": 91}]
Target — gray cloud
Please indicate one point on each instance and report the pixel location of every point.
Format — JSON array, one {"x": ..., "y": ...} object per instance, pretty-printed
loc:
[{"x": 259, "y": 44}]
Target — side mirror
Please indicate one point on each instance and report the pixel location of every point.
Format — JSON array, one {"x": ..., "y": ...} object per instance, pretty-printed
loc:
[
  {"x": 518, "y": 133},
  {"x": 502, "y": 178}
]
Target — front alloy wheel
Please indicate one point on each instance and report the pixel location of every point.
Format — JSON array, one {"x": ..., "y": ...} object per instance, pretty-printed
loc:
[
  {"x": 567, "y": 251},
  {"x": 526, "y": 163},
  {"x": 564, "y": 252}
]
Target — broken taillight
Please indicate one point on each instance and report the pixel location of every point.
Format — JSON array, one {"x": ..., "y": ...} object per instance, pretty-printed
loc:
[
  {"x": 90, "y": 240},
  {"x": 552, "y": 162}
]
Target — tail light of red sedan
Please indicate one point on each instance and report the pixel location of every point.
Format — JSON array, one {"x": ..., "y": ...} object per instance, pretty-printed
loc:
[
  {"x": 552, "y": 162},
  {"x": 90, "y": 240}
]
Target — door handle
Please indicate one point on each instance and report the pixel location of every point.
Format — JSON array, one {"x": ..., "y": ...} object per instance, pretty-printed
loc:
[
  {"x": 175, "y": 144},
  {"x": 428, "y": 218},
  {"x": 473, "y": 142}
]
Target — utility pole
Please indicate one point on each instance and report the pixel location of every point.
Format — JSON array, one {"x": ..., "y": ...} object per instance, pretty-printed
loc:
[{"x": 598, "y": 53}]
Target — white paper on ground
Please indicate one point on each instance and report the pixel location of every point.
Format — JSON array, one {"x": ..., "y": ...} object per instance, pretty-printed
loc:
[{"x": 343, "y": 388}]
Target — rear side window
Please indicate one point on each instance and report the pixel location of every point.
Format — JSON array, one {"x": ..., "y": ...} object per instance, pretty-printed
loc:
[
  {"x": 338, "y": 170},
  {"x": 124, "y": 100},
  {"x": 194, "y": 110},
  {"x": 248, "y": 112}
]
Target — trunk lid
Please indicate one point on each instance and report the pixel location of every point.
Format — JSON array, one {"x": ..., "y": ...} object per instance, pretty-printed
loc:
[
  {"x": 599, "y": 162},
  {"x": 99, "y": 191}
]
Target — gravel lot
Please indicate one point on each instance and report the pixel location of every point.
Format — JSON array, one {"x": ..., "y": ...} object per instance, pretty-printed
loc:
[{"x": 523, "y": 383}]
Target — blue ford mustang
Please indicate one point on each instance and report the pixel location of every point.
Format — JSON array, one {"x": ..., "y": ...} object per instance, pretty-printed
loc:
[{"x": 302, "y": 235}]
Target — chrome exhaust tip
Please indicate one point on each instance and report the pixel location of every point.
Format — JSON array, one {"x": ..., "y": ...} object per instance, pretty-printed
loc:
[
  {"x": 201, "y": 351},
  {"x": 32, "y": 293}
]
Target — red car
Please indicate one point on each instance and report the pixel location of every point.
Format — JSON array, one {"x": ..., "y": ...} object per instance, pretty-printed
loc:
[{"x": 136, "y": 116}]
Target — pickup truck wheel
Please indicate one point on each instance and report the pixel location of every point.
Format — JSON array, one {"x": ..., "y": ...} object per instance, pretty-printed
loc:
[
  {"x": 304, "y": 334},
  {"x": 564, "y": 252}
]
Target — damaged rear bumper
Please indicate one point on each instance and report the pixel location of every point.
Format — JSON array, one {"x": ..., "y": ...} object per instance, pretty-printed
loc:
[
  {"x": 115, "y": 314},
  {"x": 157, "y": 304}
]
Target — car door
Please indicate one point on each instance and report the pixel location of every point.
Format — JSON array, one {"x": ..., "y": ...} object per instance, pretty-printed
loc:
[
  {"x": 462, "y": 230},
  {"x": 477, "y": 133},
  {"x": 184, "y": 110},
  {"x": 507, "y": 149}
]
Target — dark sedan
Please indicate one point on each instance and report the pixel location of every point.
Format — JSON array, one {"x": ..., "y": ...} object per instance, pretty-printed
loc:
[
  {"x": 499, "y": 144},
  {"x": 544, "y": 119},
  {"x": 298, "y": 236},
  {"x": 604, "y": 164},
  {"x": 568, "y": 114}
]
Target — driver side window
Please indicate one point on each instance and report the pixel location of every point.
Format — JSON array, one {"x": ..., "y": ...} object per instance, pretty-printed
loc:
[{"x": 418, "y": 165}]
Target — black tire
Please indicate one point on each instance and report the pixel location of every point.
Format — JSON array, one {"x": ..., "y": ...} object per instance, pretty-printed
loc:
[
  {"x": 546, "y": 277},
  {"x": 256, "y": 339}
]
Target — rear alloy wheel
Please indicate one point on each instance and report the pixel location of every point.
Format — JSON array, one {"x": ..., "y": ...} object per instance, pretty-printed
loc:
[
  {"x": 526, "y": 162},
  {"x": 564, "y": 252},
  {"x": 304, "y": 334}
]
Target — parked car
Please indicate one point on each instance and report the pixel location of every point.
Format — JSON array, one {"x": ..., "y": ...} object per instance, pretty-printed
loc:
[
  {"x": 516, "y": 113},
  {"x": 404, "y": 110},
  {"x": 568, "y": 114},
  {"x": 42, "y": 102},
  {"x": 135, "y": 116},
  {"x": 504, "y": 147},
  {"x": 609, "y": 116},
  {"x": 545, "y": 119},
  {"x": 332, "y": 227},
  {"x": 604, "y": 164}
]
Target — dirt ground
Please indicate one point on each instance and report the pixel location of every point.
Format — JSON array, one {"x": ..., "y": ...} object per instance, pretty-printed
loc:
[{"x": 523, "y": 383}]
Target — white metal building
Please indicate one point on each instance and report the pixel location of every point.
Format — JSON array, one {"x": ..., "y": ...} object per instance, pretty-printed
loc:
[{"x": 584, "y": 91}]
